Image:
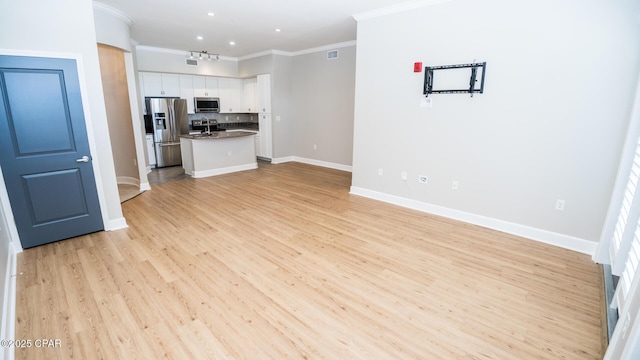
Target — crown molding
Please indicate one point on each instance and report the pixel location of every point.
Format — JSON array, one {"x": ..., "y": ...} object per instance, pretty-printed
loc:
[
  {"x": 106, "y": 9},
  {"x": 300, "y": 52},
  {"x": 396, "y": 9},
  {"x": 254, "y": 55},
  {"x": 264, "y": 53},
  {"x": 325, "y": 48}
]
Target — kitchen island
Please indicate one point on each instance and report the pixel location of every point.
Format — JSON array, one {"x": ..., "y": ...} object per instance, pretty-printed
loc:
[{"x": 218, "y": 153}]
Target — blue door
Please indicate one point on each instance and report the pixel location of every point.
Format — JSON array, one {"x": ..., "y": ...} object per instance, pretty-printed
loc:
[{"x": 44, "y": 150}]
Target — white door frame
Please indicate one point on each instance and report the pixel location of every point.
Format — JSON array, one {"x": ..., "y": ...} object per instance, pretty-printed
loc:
[{"x": 625, "y": 341}]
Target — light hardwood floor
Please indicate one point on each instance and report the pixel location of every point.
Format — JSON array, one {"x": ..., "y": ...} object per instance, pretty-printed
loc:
[{"x": 282, "y": 263}]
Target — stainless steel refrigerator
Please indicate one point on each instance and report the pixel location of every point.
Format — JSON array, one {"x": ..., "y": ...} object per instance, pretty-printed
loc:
[{"x": 169, "y": 118}]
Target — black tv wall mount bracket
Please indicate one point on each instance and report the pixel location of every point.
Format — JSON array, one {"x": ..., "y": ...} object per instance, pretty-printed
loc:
[{"x": 429, "y": 74}]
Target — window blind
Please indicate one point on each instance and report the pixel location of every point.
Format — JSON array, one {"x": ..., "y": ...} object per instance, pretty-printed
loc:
[
  {"x": 630, "y": 270},
  {"x": 627, "y": 218},
  {"x": 625, "y": 242}
]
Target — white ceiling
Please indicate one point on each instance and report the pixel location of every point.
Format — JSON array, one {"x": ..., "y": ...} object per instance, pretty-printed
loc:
[{"x": 250, "y": 24}]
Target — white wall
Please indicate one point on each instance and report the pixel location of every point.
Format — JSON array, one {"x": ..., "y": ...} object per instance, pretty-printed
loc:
[
  {"x": 323, "y": 92},
  {"x": 66, "y": 27},
  {"x": 112, "y": 27},
  {"x": 255, "y": 66},
  {"x": 550, "y": 125},
  {"x": 313, "y": 98},
  {"x": 283, "y": 99}
]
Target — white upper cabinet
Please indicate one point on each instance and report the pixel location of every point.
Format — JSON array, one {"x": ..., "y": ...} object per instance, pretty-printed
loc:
[
  {"x": 250, "y": 89},
  {"x": 264, "y": 93},
  {"x": 205, "y": 86},
  {"x": 231, "y": 95},
  {"x": 251, "y": 95},
  {"x": 186, "y": 92},
  {"x": 161, "y": 85}
]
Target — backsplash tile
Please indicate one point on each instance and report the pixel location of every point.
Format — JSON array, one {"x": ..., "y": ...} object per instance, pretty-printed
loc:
[{"x": 226, "y": 118}]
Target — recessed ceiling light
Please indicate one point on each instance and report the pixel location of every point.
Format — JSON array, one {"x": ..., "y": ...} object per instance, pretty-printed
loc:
[
  {"x": 278, "y": 30},
  {"x": 210, "y": 14},
  {"x": 199, "y": 38},
  {"x": 232, "y": 43}
]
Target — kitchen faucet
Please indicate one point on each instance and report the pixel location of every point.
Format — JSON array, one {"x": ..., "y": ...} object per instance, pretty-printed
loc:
[{"x": 204, "y": 119}]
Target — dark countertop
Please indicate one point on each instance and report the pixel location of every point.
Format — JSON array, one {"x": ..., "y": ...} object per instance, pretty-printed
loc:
[{"x": 218, "y": 135}]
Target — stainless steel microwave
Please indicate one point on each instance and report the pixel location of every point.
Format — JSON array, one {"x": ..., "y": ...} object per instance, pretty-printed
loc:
[{"x": 207, "y": 104}]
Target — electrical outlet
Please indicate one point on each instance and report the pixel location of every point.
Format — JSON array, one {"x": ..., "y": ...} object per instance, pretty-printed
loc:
[
  {"x": 454, "y": 185},
  {"x": 278, "y": 118},
  {"x": 422, "y": 179},
  {"x": 226, "y": 118},
  {"x": 560, "y": 205},
  {"x": 135, "y": 163},
  {"x": 229, "y": 153},
  {"x": 315, "y": 147},
  {"x": 380, "y": 171},
  {"x": 403, "y": 175}
]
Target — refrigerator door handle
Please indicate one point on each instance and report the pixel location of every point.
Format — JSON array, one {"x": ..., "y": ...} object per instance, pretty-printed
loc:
[
  {"x": 172, "y": 119},
  {"x": 169, "y": 117}
]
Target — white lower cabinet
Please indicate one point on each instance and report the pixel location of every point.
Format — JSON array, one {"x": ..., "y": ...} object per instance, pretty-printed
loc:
[
  {"x": 264, "y": 122},
  {"x": 151, "y": 151},
  {"x": 257, "y": 140}
]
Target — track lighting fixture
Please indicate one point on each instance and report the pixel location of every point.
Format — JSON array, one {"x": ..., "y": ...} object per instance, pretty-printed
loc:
[{"x": 203, "y": 54}]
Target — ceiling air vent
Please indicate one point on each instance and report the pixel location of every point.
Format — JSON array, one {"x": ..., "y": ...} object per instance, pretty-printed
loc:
[
  {"x": 333, "y": 54},
  {"x": 192, "y": 62}
]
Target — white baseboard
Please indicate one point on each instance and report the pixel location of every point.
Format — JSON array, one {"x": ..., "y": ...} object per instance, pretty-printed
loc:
[
  {"x": 282, "y": 160},
  {"x": 312, "y": 162},
  {"x": 230, "y": 169},
  {"x": 548, "y": 237},
  {"x": 9, "y": 303},
  {"x": 117, "y": 224},
  {"x": 145, "y": 186},
  {"x": 127, "y": 180}
]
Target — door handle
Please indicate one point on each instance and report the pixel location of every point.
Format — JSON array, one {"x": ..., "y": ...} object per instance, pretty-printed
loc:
[{"x": 83, "y": 159}]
